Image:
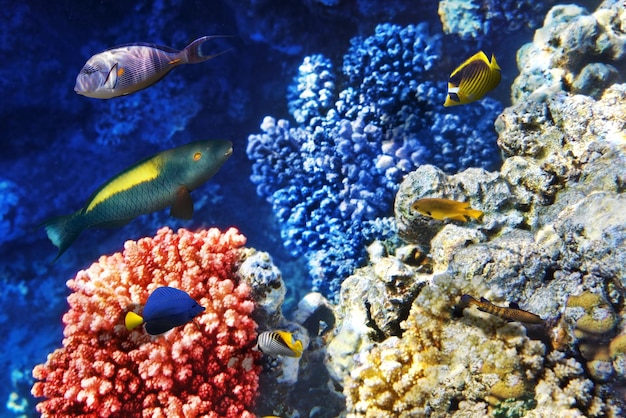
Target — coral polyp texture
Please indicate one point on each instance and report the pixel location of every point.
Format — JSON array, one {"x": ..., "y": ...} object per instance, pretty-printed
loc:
[
  {"x": 575, "y": 51},
  {"x": 204, "y": 368},
  {"x": 359, "y": 132},
  {"x": 475, "y": 19}
]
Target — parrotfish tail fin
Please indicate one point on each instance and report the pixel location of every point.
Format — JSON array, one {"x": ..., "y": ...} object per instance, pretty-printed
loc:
[
  {"x": 62, "y": 231},
  {"x": 476, "y": 214},
  {"x": 194, "y": 52},
  {"x": 132, "y": 320}
]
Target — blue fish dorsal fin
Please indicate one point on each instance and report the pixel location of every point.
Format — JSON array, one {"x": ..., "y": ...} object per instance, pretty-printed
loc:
[{"x": 165, "y": 299}]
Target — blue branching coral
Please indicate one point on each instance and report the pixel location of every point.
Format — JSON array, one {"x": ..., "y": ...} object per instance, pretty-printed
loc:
[{"x": 340, "y": 168}]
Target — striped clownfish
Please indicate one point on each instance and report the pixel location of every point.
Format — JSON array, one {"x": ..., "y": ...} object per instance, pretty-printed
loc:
[
  {"x": 125, "y": 69},
  {"x": 279, "y": 343},
  {"x": 472, "y": 80},
  {"x": 162, "y": 180},
  {"x": 166, "y": 308},
  {"x": 513, "y": 313},
  {"x": 443, "y": 209}
]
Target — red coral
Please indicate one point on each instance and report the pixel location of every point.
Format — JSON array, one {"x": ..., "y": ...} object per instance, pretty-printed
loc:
[{"x": 206, "y": 369}]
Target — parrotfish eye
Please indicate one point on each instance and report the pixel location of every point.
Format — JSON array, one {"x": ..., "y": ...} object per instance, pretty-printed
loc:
[{"x": 197, "y": 156}]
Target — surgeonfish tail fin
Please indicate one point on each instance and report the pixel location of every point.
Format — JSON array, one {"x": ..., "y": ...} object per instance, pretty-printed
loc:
[
  {"x": 62, "y": 232},
  {"x": 132, "y": 320},
  {"x": 194, "y": 53}
]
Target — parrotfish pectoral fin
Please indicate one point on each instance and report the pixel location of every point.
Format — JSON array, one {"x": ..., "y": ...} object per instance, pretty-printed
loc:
[
  {"x": 182, "y": 208},
  {"x": 132, "y": 320},
  {"x": 62, "y": 232},
  {"x": 194, "y": 50}
]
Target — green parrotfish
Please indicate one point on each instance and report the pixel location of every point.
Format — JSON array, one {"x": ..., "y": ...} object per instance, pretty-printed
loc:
[{"x": 162, "y": 180}]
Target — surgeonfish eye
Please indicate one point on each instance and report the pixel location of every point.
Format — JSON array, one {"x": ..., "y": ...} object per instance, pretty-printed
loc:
[
  {"x": 197, "y": 156},
  {"x": 88, "y": 69}
]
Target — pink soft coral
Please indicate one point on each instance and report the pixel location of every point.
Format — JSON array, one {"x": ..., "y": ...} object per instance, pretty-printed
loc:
[{"x": 206, "y": 369}]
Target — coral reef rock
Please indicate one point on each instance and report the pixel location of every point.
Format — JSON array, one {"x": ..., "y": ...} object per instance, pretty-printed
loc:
[{"x": 552, "y": 239}]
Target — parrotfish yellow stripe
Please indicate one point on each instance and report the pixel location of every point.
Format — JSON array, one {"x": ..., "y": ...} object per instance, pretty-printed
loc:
[{"x": 142, "y": 173}]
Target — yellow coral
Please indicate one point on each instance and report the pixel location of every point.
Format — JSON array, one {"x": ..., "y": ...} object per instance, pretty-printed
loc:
[
  {"x": 618, "y": 346},
  {"x": 438, "y": 361},
  {"x": 513, "y": 386},
  {"x": 598, "y": 317}
]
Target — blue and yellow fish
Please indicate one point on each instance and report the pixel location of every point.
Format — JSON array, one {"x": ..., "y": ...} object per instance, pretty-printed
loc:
[
  {"x": 163, "y": 180},
  {"x": 274, "y": 343},
  {"x": 166, "y": 308},
  {"x": 125, "y": 69},
  {"x": 472, "y": 80}
]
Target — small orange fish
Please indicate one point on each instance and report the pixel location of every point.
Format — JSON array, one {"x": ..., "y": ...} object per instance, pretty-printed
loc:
[
  {"x": 442, "y": 209},
  {"x": 512, "y": 313}
]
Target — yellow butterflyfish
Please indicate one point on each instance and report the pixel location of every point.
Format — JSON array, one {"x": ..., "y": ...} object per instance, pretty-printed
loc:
[
  {"x": 282, "y": 343},
  {"x": 472, "y": 80}
]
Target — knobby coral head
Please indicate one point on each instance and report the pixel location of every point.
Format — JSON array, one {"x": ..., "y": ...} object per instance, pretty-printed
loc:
[{"x": 207, "y": 368}]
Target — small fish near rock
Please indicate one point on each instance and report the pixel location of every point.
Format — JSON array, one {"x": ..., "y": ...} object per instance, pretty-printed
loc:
[
  {"x": 126, "y": 69},
  {"x": 471, "y": 80},
  {"x": 166, "y": 308},
  {"x": 275, "y": 343},
  {"x": 162, "y": 180},
  {"x": 513, "y": 313},
  {"x": 444, "y": 209}
]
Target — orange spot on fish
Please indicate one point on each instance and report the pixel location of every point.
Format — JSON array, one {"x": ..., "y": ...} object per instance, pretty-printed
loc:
[
  {"x": 197, "y": 156},
  {"x": 120, "y": 71},
  {"x": 176, "y": 61}
]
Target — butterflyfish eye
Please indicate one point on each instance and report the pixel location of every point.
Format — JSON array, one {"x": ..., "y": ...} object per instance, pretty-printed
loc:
[{"x": 197, "y": 156}]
